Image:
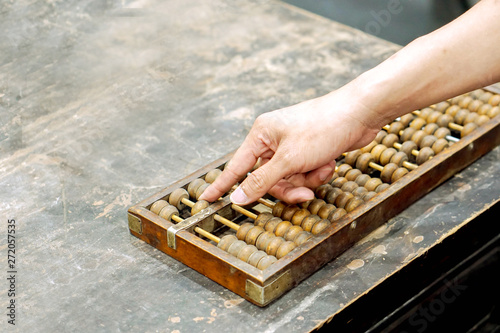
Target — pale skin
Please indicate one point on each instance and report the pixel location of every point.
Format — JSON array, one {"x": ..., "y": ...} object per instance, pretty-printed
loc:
[{"x": 298, "y": 144}]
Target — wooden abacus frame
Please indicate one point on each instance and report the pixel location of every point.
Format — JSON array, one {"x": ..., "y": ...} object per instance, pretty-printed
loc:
[{"x": 263, "y": 286}]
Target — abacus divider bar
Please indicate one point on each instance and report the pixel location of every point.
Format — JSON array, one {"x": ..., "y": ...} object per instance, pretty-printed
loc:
[
  {"x": 217, "y": 217},
  {"x": 199, "y": 230}
]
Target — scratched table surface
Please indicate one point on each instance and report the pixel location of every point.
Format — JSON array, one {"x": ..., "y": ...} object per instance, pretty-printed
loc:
[{"x": 104, "y": 103}]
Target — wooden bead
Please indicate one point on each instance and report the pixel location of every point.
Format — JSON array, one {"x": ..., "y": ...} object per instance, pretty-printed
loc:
[
  {"x": 428, "y": 141},
  {"x": 293, "y": 232},
  {"x": 256, "y": 257},
  {"x": 303, "y": 237},
  {"x": 157, "y": 206},
  {"x": 406, "y": 119},
  {"x": 442, "y": 132},
  {"x": 315, "y": 205},
  {"x": 407, "y": 134},
  {"x": 299, "y": 216},
  {"x": 390, "y": 140},
  {"x": 320, "y": 226},
  {"x": 359, "y": 191},
  {"x": 332, "y": 195},
  {"x": 372, "y": 184},
  {"x": 417, "y": 124},
  {"x": 483, "y": 110},
  {"x": 482, "y": 119},
  {"x": 353, "y": 203},
  {"x": 284, "y": 249},
  {"x": 212, "y": 175},
  {"x": 424, "y": 154},
  {"x": 200, "y": 190},
  {"x": 400, "y": 172},
  {"x": 493, "y": 112},
  {"x": 278, "y": 208},
  {"x": 464, "y": 103},
  {"x": 309, "y": 222},
  {"x": 395, "y": 128},
  {"x": 431, "y": 128},
  {"x": 369, "y": 195},
  {"x": 471, "y": 118},
  {"x": 193, "y": 187},
  {"x": 407, "y": 147},
  {"x": 340, "y": 181},
  {"x": 326, "y": 210},
  {"x": 382, "y": 187},
  {"x": 168, "y": 211},
  {"x": 468, "y": 128},
  {"x": 282, "y": 228},
  {"x": 243, "y": 230},
  {"x": 380, "y": 136},
  {"x": 460, "y": 116},
  {"x": 337, "y": 214},
  {"x": 320, "y": 192},
  {"x": 272, "y": 223},
  {"x": 342, "y": 169},
  {"x": 494, "y": 100},
  {"x": 452, "y": 110},
  {"x": 334, "y": 176},
  {"x": 425, "y": 112},
  {"x": 442, "y": 106},
  {"x": 475, "y": 105},
  {"x": 440, "y": 145},
  {"x": 175, "y": 198},
  {"x": 288, "y": 212},
  {"x": 262, "y": 219},
  {"x": 386, "y": 173},
  {"x": 264, "y": 239},
  {"x": 444, "y": 120},
  {"x": 349, "y": 186},
  {"x": 363, "y": 161},
  {"x": 246, "y": 252},
  {"x": 351, "y": 175},
  {"x": 433, "y": 117},
  {"x": 377, "y": 151},
  {"x": 369, "y": 147},
  {"x": 236, "y": 247},
  {"x": 305, "y": 204},
  {"x": 386, "y": 155},
  {"x": 362, "y": 179},
  {"x": 418, "y": 136},
  {"x": 198, "y": 206},
  {"x": 274, "y": 244},
  {"x": 266, "y": 262},
  {"x": 399, "y": 158},
  {"x": 343, "y": 198},
  {"x": 226, "y": 241},
  {"x": 485, "y": 97},
  {"x": 352, "y": 156}
]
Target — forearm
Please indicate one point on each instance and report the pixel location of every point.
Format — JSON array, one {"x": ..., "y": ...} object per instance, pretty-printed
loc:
[{"x": 460, "y": 57}]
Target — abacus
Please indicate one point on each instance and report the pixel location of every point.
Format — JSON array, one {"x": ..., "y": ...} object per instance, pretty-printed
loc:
[{"x": 262, "y": 250}]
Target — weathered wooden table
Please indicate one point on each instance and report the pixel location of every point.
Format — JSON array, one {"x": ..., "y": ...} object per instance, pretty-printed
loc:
[{"x": 104, "y": 103}]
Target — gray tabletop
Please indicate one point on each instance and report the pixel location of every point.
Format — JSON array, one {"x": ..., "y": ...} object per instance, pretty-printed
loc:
[{"x": 104, "y": 103}]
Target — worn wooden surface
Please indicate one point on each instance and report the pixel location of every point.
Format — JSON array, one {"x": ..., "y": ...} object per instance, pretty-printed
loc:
[{"x": 103, "y": 103}]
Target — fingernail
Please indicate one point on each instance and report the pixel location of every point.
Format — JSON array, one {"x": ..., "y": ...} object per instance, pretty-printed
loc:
[
  {"x": 325, "y": 173},
  {"x": 239, "y": 197}
]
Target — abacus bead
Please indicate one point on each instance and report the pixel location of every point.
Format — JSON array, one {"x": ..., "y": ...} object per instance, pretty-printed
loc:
[
  {"x": 431, "y": 128},
  {"x": 469, "y": 128},
  {"x": 494, "y": 100},
  {"x": 266, "y": 262},
  {"x": 352, "y": 156},
  {"x": 264, "y": 240},
  {"x": 315, "y": 205},
  {"x": 320, "y": 192},
  {"x": 390, "y": 140},
  {"x": 442, "y": 106},
  {"x": 326, "y": 210},
  {"x": 395, "y": 128},
  {"x": 351, "y": 175},
  {"x": 359, "y": 191},
  {"x": 493, "y": 112},
  {"x": 299, "y": 216},
  {"x": 442, "y": 132},
  {"x": 428, "y": 141},
  {"x": 369, "y": 147},
  {"x": 200, "y": 190},
  {"x": 406, "y": 119},
  {"x": 246, "y": 252},
  {"x": 380, "y": 136},
  {"x": 407, "y": 147},
  {"x": 256, "y": 257},
  {"x": 340, "y": 181},
  {"x": 272, "y": 223},
  {"x": 175, "y": 198},
  {"x": 343, "y": 198},
  {"x": 362, "y": 179},
  {"x": 372, "y": 184},
  {"x": 332, "y": 195},
  {"x": 368, "y": 195},
  {"x": 243, "y": 230},
  {"x": 363, "y": 161},
  {"x": 434, "y": 116},
  {"x": 471, "y": 118},
  {"x": 293, "y": 232},
  {"x": 157, "y": 206},
  {"x": 485, "y": 97},
  {"x": 282, "y": 228},
  {"x": 464, "y": 103},
  {"x": 418, "y": 136},
  {"x": 425, "y": 112},
  {"x": 193, "y": 186},
  {"x": 274, "y": 244},
  {"x": 353, "y": 203},
  {"x": 399, "y": 158},
  {"x": 303, "y": 237},
  {"x": 377, "y": 151},
  {"x": 334, "y": 176},
  {"x": 382, "y": 187},
  {"x": 424, "y": 154},
  {"x": 343, "y": 168},
  {"x": 320, "y": 226},
  {"x": 278, "y": 208},
  {"x": 452, "y": 110},
  {"x": 460, "y": 116},
  {"x": 236, "y": 247},
  {"x": 483, "y": 110},
  {"x": 440, "y": 145},
  {"x": 400, "y": 172},
  {"x": 198, "y": 206},
  {"x": 212, "y": 175},
  {"x": 444, "y": 120},
  {"x": 387, "y": 172},
  {"x": 253, "y": 234},
  {"x": 167, "y": 212},
  {"x": 284, "y": 249},
  {"x": 349, "y": 186},
  {"x": 289, "y": 211},
  {"x": 305, "y": 204},
  {"x": 475, "y": 105},
  {"x": 482, "y": 119},
  {"x": 417, "y": 123},
  {"x": 386, "y": 155},
  {"x": 408, "y": 133},
  {"x": 337, "y": 214},
  {"x": 262, "y": 219},
  {"x": 309, "y": 222},
  {"x": 226, "y": 241}
]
